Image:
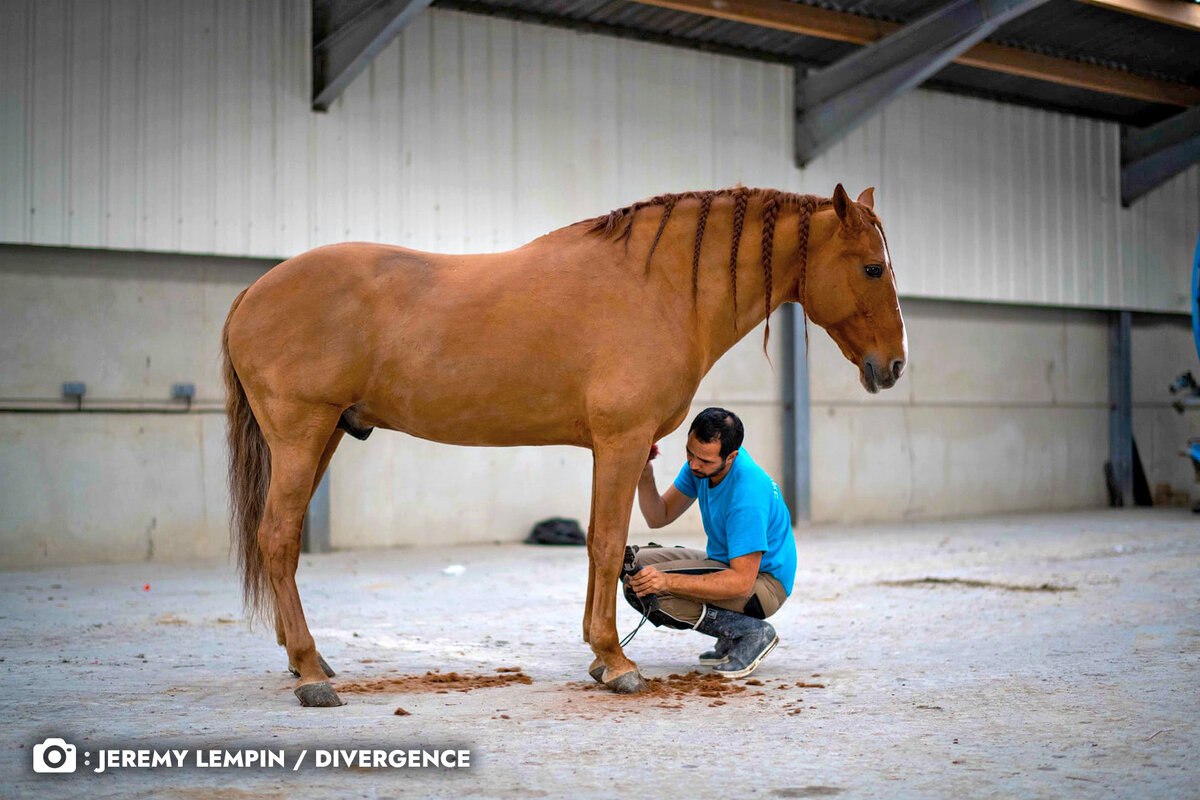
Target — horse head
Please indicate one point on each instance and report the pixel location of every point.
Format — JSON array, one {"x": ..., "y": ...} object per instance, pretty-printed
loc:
[{"x": 850, "y": 290}]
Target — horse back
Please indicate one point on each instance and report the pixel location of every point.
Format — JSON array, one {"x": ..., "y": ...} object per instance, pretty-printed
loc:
[{"x": 501, "y": 348}]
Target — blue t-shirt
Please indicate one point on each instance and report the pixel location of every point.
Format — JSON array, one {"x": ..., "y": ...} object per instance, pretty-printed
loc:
[{"x": 745, "y": 514}]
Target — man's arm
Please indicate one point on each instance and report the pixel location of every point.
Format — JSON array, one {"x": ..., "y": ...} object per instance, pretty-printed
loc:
[
  {"x": 728, "y": 584},
  {"x": 660, "y": 510}
]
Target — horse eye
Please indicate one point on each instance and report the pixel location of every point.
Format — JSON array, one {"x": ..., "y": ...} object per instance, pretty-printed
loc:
[{"x": 874, "y": 270}]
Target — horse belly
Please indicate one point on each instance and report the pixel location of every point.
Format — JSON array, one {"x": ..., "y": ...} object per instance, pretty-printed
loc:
[{"x": 483, "y": 402}]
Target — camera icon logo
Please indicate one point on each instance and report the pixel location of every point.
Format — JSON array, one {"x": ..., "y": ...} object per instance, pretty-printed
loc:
[{"x": 54, "y": 755}]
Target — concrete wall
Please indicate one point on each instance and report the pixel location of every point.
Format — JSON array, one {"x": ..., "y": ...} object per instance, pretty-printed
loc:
[
  {"x": 112, "y": 486},
  {"x": 1002, "y": 409}
]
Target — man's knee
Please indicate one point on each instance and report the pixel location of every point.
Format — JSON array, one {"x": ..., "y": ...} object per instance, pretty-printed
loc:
[
  {"x": 665, "y": 610},
  {"x": 677, "y": 612}
]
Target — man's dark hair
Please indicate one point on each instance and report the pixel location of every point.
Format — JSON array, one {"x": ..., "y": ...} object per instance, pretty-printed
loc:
[{"x": 717, "y": 423}]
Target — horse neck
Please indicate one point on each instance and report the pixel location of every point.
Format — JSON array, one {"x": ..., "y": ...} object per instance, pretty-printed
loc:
[{"x": 721, "y": 322}]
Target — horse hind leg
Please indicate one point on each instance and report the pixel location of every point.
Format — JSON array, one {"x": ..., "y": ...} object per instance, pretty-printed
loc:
[
  {"x": 295, "y": 463},
  {"x": 280, "y": 633}
]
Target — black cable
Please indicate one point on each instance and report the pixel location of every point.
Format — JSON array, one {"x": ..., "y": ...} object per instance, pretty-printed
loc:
[{"x": 633, "y": 633}]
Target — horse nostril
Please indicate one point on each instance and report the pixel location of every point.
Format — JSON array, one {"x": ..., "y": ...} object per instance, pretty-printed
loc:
[
  {"x": 869, "y": 375},
  {"x": 897, "y": 368}
]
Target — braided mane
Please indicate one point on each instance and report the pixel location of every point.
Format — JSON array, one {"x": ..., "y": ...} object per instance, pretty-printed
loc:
[{"x": 619, "y": 224}]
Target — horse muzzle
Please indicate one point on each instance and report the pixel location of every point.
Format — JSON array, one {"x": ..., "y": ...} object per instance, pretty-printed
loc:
[{"x": 875, "y": 378}]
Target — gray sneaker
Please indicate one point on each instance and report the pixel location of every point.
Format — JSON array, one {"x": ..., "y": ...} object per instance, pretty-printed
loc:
[
  {"x": 751, "y": 639},
  {"x": 718, "y": 655}
]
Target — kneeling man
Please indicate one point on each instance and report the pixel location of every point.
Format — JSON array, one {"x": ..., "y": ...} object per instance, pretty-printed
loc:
[{"x": 746, "y": 571}]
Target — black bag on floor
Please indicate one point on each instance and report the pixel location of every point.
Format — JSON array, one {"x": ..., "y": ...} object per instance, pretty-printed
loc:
[{"x": 557, "y": 531}]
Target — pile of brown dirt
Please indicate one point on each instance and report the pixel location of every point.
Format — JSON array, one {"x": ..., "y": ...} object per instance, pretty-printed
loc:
[
  {"x": 675, "y": 690},
  {"x": 702, "y": 684},
  {"x": 441, "y": 682},
  {"x": 676, "y": 686}
]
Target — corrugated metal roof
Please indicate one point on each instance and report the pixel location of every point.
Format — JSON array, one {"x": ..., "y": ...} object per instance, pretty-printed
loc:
[
  {"x": 976, "y": 82},
  {"x": 1124, "y": 41},
  {"x": 1061, "y": 28}
]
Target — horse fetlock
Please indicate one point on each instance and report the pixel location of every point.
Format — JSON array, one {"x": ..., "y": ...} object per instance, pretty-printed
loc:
[
  {"x": 328, "y": 670},
  {"x": 308, "y": 664}
]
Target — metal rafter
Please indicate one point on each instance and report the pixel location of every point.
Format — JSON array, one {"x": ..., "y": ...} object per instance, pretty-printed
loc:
[
  {"x": 832, "y": 101},
  {"x": 346, "y": 37},
  {"x": 1152, "y": 156}
]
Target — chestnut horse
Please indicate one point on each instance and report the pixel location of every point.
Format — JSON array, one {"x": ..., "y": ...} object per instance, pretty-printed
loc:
[{"x": 594, "y": 335}]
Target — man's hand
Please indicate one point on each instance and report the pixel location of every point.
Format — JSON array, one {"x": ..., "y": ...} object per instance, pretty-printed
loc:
[
  {"x": 647, "y": 472},
  {"x": 649, "y": 580},
  {"x": 659, "y": 510}
]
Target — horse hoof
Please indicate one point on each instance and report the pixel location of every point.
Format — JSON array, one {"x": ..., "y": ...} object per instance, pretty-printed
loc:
[
  {"x": 329, "y": 673},
  {"x": 317, "y": 695},
  {"x": 596, "y": 670},
  {"x": 629, "y": 683}
]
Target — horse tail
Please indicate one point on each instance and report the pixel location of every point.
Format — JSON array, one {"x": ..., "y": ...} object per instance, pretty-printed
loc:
[{"x": 249, "y": 479}]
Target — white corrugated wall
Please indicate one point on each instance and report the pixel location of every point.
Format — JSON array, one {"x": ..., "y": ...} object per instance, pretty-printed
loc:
[{"x": 185, "y": 127}]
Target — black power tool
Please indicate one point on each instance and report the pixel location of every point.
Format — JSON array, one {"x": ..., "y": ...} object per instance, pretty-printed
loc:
[
  {"x": 631, "y": 567},
  {"x": 649, "y": 602}
]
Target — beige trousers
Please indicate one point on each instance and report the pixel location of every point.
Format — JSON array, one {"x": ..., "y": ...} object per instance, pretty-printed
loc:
[{"x": 765, "y": 600}]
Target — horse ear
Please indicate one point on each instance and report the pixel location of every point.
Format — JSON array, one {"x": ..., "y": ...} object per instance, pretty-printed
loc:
[
  {"x": 841, "y": 204},
  {"x": 867, "y": 198}
]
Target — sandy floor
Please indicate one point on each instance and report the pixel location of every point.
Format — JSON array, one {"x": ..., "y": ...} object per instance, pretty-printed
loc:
[{"x": 917, "y": 688}]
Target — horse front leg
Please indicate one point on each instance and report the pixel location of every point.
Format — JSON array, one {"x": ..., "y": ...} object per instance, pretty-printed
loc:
[{"x": 618, "y": 463}]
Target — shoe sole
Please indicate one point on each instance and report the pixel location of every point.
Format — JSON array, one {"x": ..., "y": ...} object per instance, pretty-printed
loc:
[
  {"x": 712, "y": 662},
  {"x": 741, "y": 673}
]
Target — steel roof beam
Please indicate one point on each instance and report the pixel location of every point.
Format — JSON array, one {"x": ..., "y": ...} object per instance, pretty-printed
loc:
[
  {"x": 833, "y": 101},
  {"x": 347, "y": 36},
  {"x": 1152, "y": 156}
]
